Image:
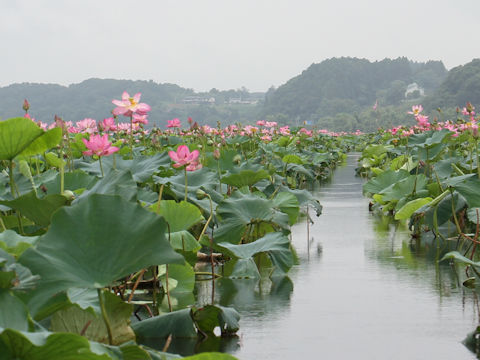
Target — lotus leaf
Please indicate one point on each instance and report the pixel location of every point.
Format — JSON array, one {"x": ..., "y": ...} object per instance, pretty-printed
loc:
[
  {"x": 121, "y": 238},
  {"x": 23, "y": 136},
  {"x": 242, "y": 210},
  {"x": 180, "y": 217},
  {"x": 76, "y": 320}
]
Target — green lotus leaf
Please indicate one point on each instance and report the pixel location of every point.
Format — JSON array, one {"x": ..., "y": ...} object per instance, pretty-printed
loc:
[
  {"x": 276, "y": 245},
  {"x": 409, "y": 208},
  {"x": 404, "y": 187},
  {"x": 14, "y": 314},
  {"x": 241, "y": 210},
  {"x": 300, "y": 169},
  {"x": 180, "y": 217},
  {"x": 204, "y": 179},
  {"x": 76, "y": 320},
  {"x": 245, "y": 178},
  {"x": 13, "y": 275},
  {"x": 74, "y": 180},
  {"x": 287, "y": 203},
  {"x": 384, "y": 180},
  {"x": 470, "y": 190},
  {"x": 428, "y": 139},
  {"x": 453, "y": 181},
  {"x": 85, "y": 299},
  {"x": 474, "y": 215},
  {"x": 207, "y": 318},
  {"x": 177, "y": 323},
  {"x": 21, "y": 136},
  {"x": 38, "y": 210},
  {"x": 54, "y": 160},
  {"x": 455, "y": 255},
  {"x": 24, "y": 185},
  {"x": 183, "y": 274},
  {"x": 141, "y": 167},
  {"x": 305, "y": 198},
  {"x": 116, "y": 182},
  {"x": 98, "y": 241},
  {"x": 52, "y": 346},
  {"x": 15, "y": 244},
  {"x": 292, "y": 159}
]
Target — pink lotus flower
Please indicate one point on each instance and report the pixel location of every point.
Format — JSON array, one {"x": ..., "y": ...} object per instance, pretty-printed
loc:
[
  {"x": 249, "y": 130},
  {"x": 183, "y": 156},
  {"x": 175, "y": 123},
  {"x": 99, "y": 145},
  {"x": 261, "y": 122},
  {"x": 130, "y": 105},
  {"x": 87, "y": 125},
  {"x": 139, "y": 119},
  {"x": 416, "y": 110},
  {"x": 108, "y": 124},
  {"x": 285, "y": 130},
  {"x": 422, "y": 120}
]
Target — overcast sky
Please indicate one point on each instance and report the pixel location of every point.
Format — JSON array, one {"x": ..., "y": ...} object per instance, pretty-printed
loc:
[{"x": 225, "y": 44}]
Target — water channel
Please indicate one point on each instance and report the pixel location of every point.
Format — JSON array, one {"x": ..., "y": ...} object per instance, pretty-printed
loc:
[{"x": 361, "y": 290}]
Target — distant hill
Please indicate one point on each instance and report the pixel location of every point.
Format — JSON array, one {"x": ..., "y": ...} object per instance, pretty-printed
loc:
[
  {"x": 93, "y": 98},
  {"x": 461, "y": 85},
  {"x": 350, "y": 85},
  {"x": 337, "y": 94}
]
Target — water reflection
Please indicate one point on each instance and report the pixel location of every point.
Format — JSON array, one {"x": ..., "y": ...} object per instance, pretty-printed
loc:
[{"x": 363, "y": 290}]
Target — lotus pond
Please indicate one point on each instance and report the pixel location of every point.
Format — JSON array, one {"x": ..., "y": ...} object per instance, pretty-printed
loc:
[{"x": 124, "y": 243}]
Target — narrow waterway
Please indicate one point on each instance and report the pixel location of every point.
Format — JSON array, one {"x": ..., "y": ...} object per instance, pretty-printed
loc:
[{"x": 361, "y": 290}]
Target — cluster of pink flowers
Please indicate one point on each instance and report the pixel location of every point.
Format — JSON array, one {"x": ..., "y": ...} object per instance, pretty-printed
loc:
[{"x": 470, "y": 124}]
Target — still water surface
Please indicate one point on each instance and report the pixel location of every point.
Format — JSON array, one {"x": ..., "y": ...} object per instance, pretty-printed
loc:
[{"x": 361, "y": 290}]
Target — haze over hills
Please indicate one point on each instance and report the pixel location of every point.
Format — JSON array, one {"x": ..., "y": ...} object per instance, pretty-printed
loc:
[{"x": 337, "y": 94}]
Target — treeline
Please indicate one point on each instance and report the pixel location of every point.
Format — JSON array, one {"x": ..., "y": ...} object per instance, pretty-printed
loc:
[
  {"x": 93, "y": 99},
  {"x": 338, "y": 94}
]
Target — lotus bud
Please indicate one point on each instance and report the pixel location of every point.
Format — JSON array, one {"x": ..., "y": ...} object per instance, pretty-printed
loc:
[
  {"x": 201, "y": 194},
  {"x": 216, "y": 154},
  {"x": 26, "y": 105},
  {"x": 69, "y": 195},
  {"x": 237, "y": 159}
]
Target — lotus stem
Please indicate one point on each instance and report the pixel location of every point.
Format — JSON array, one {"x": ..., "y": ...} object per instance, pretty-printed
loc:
[
  {"x": 166, "y": 276},
  {"x": 213, "y": 274},
  {"x": 131, "y": 134},
  {"x": 208, "y": 220},
  {"x": 10, "y": 174},
  {"x": 62, "y": 179},
  {"x": 2, "y": 224},
  {"x": 101, "y": 167},
  {"x": 478, "y": 162},
  {"x": 186, "y": 183},
  {"x": 459, "y": 230},
  {"x": 105, "y": 316},
  {"x": 139, "y": 278},
  {"x": 167, "y": 289},
  {"x": 155, "y": 289},
  {"x": 167, "y": 343}
]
